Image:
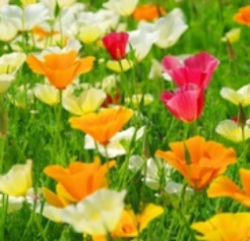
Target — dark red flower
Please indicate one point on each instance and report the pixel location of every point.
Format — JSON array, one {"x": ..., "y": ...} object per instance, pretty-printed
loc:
[{"x": 116, "y": 44}]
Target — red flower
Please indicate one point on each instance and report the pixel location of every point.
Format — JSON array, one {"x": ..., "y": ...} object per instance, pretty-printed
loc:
[
  {"x": 197, "y": 69},
  {"x": 116, "y": 44},
  {"x": 112, "y": 99},
  {"x": 186, "y": 103}
]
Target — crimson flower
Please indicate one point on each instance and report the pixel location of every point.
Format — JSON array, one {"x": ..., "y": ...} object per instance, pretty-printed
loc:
[
  {"x": 116, "y": 44},
  {"x": 186, "y": 103},
  {"x": 197, "y": 69}
]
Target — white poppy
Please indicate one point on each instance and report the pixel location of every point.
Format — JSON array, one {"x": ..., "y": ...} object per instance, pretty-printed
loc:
[
  {"x": 97, "y": 214},
  {"x": 27, "y": 18},
  {"x": 114, "y": 148}
]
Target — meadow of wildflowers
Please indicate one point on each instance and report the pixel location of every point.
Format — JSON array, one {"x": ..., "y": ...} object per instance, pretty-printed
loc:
[{"x": 124, "y": 120}]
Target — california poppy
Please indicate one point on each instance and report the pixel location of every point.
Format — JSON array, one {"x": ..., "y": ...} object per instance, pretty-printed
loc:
[
  {"x": 103, "y": 125},
  {"x": 197, "y": 69},
  {"x": 76, "y": 182},
  {"x": 224, "y": 227},
  {"x": 198, "y": 161},
  {"x": 131, "y": 224},
  {"x": 185, "y": 103},
  {"x": 116, "y": 44},
  {"x": 148, "y": 12},
  {"x": 243, "y": 16},
  {"x": 60, "y": 68}
]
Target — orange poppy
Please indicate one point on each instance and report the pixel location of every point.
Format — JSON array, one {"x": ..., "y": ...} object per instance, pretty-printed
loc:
[
  {"x": 76, "y": 182},
  {"x": 131, "y": 224},
  {"x": 243, "y": 16},
  {"x": 42, "y": 33},
  {"x": 148, "y": 12},
  {"x": 103, "y": 125},
  {"x": 60, "y": 68},
  {"x": 198, "y": 161},
  {"x": 224, "y": 227},
  {"x": 224, "y": 187}
]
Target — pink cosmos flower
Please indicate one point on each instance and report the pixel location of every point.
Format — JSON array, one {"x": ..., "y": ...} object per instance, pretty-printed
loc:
[
  {"x": 186, "y": 103},
  {"x": 197, "y": 69},
  {"x": 116, "y": 44}
]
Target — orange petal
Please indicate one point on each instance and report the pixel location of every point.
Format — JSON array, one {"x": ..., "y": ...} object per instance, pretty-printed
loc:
[
  {"x": 35, "y": 64},
  {"x": 223, "y": 187},
  {"x": 52, "y": 198},
  {"x": 245, "y": 180},
  {"x": 85, "y": 65},
  {"x": 60, "y": 61}
]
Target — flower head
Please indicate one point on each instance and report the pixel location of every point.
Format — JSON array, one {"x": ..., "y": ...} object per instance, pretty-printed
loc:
[
  {"x": 233, "y": 131},
  {"x": 18, "y": 180},
  {"x": 224, "y": 227},
  {"x": 130, "y": 224},
  {"x": 186, "y": 103},
  {"x": 61, "y": 65},
  {"x": 103, "y": 125},
  {"x": 148, "y": 12},
  {"x": 197, "y": 69},
  {"x": 76, "y": 182},
  {"x": 198, "y": 161},
  {"x": 116, "y": 44},
  {"x": 240, "y": 96},
  {"x": 121, "y": 7},
  {"x": 243, "y": 16},
  {"x": 97, "y": 214}
]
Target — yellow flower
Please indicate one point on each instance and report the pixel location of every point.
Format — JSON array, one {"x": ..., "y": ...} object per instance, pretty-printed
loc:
[
  {"x": 232, "y": 131},
  {"x": 232, "y": 36},
  {"x": 123, "y": 66},
  {"x": 88, "y": 101},
  {"x": 131, "y": 224},
  {"x": 27, "y": 2},
  {"x": 240, "y": 96},
  {"x": 47, "y": 94},
  {"x": 18, "y": 180},
  {"x": 224, "y": 227},
  {"x": 89, "y": 34}
]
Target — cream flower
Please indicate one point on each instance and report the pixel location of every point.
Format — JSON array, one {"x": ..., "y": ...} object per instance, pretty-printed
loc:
[
  {"x": 27, "y": 18},
  {"x": 18, "y": 180},
  {"x": 232, "y": 131},
  {"x": 88, "y": 101},
  {"x": 169, "y": 27},
  {"x": 47, "y": 94},
  {"x": 121, "y": 7},
  {"x": 142, "y": 41},
  {"x": 14, "y": 203},
  {"x": 9, "y": 65},
  {"x": 114, "y": 148},
  {"x": 97, "y": 214},
  {"x": 240, "y": 96},
  {"x": 7, "y": 31}
]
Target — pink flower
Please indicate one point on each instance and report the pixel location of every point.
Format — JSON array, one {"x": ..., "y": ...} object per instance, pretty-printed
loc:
[
  {"x": 116, "y": 44},
  {"x": 197, "y": 69},
  {"x": 186, "y": 103}
]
